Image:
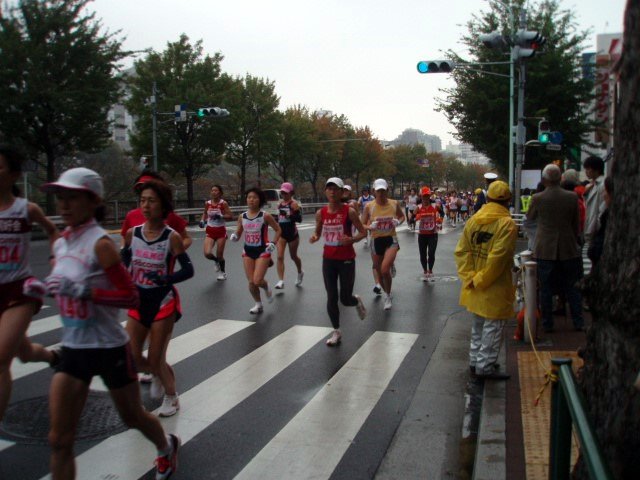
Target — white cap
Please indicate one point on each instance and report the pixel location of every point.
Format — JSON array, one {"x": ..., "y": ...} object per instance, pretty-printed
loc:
[
  {"x": 77, "y": 179},
  {"x": 490, "y": 176},
  {"x": 348, "y": 187},
  {"x": 380, "y": 184},
  {"x": 336, "y": 181}
]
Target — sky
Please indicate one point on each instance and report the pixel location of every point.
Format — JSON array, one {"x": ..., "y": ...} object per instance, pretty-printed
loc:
[{"x": 352, "y": 57}]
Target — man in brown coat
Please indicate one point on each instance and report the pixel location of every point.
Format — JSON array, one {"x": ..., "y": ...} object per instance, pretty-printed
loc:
[{"x": 556, "y": 245}]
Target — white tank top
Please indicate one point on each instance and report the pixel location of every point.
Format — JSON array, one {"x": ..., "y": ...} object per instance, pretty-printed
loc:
[
  {"x": 15, "y": 235},
  {"x": 215, "y": 209},
  {"x": 255, "y": 230},
  {"x": 86, "y": 325},
  {"x": 150, "y": 256}
]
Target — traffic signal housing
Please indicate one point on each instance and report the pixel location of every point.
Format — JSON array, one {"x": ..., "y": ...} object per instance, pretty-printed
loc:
[
  {"x": 436, "y": 66},
  {"x": 212, "y": 112},
  {"x": 527, "y": 43},
  {"x": 544, "y": 131},
  {"x": 494, "y": 40}
]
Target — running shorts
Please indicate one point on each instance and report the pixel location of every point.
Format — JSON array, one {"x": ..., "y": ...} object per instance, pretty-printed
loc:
[
  {"x": 382, "y": 244},
  {"x": 11, "y": 296},
  {"x": 289, "y": 236},
  {"x": 216, "y": 232},
  {"x": 151, "y": 307},
  {"x": 114, "y": 365},
  {"x": 255, "y": 252}
]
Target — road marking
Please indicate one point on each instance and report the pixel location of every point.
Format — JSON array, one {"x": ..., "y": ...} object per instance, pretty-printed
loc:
[
  {"x": 313, "y": 442},
  {"x": 127, "y": 454},
  {"x": 192, "y": 342},
  {"x": 4, "y": 444},
  {"x": 46, "y": 324}
]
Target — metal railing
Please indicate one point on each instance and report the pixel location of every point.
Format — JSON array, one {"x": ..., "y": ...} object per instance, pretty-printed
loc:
[{"x": 567, "y": 409}]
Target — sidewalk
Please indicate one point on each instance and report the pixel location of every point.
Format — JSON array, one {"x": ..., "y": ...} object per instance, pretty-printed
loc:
[{"x": 514, "y": 433}]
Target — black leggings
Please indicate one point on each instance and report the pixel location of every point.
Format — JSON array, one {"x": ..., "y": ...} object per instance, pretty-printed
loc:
[
  {"x": 345, "y": 270},
  {"x": 427, "y": 242}
]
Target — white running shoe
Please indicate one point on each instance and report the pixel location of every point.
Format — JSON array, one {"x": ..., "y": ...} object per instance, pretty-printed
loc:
[
  {"x": 387, "y": 302},
  {"x": 424, "y": 277},
  {"x": 362, "y": 311},
  {"x": 334, "y": 339},
  {"x": 170, "y": 406},
  {"x": 157, "y": 390},
  {"x": 269, "y": 294},
  {"x": 300, "y": 277},
  {"x": 222, "y": 276},
  {"x": 216, "y": 266},
  {"x": 145, "y": 377},
  {"x": 257, "y": 308},
  {"x": 280, "y": 285},
  {"x": 393, "y": 270}
]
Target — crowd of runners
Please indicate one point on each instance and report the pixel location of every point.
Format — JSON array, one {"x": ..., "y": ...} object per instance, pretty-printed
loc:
[{"x": 91, "y": 279}]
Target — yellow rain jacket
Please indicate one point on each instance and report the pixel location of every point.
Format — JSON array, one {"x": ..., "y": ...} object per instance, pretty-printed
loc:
[{"x": 484, "y": 256}]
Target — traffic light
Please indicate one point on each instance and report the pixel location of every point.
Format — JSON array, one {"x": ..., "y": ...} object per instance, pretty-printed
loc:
[
  {"x": 494, "y": 40},
  {"x": 527, "y": 43},
  {"x": 436, "y": 66},
  {"x": 212, "y": 112},
  {"x": 544, "y": 131}
]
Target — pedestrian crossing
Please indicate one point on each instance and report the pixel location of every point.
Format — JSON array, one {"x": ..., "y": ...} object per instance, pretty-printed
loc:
[{"x": 310, "y": 444}]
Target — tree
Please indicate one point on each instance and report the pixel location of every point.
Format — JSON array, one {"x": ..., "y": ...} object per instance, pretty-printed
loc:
[
  {"x": 57, "y": 79},
  {"x": 183, "y": 75},
  {"x": 555, "y": 88},
  {"x": 295, "y": 134},
  {"x": 612, "y": 354}
]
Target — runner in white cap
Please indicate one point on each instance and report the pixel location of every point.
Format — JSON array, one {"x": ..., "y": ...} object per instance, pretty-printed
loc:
[
  {"x": 289, "y": 213},
  {"x": 91, "y": 285}
]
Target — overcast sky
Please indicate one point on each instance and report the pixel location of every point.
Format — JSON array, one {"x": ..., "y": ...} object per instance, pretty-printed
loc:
[{"x": 353, "y": 57}]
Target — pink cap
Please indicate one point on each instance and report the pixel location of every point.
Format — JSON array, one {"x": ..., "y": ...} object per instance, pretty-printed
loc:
[{"x": 286, "y": 187}]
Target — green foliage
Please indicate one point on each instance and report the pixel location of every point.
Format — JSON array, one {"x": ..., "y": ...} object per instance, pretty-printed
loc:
[
  {"x": 57, "y": 78},
  {"x": 478, "y": 106}
]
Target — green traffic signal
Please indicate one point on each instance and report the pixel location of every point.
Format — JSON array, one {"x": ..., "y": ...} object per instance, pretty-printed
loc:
[{"x": 543, "y": 137}]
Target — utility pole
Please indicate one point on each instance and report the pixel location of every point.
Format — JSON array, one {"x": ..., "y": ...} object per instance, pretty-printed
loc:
[
  {"x": 154, "y": 106},
  {"x": 521, "y": 130}
]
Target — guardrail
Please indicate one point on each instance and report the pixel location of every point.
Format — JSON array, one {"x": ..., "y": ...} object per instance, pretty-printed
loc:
[{"x": 567, "y": 409}]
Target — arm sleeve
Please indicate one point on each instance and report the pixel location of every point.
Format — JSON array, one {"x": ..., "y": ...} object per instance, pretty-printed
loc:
[
  {"x": 185, "y": 272},
  {"x": 125, "y": 255},
  {"x": 500, "y": 256},
  {"x": 296, "y": 216},
  {"x": 125, "y": 294}
]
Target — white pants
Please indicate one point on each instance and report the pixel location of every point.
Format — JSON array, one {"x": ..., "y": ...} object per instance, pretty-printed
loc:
[{"x": 486, "y": 337}]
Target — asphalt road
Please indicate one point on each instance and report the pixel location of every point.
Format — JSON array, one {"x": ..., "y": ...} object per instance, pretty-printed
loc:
[{"x": 262, "y": 396}]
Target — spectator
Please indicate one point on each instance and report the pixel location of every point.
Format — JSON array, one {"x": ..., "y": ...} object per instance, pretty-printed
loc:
[
  {"x": 556, "y": 245},
  {"x": 569, "y": 184},
  {"x": 530, "y": 227},
  {"x": 484, "y": 256},
  {"x": 594, "y": 191},
  {"x": 597, "y": 241}
]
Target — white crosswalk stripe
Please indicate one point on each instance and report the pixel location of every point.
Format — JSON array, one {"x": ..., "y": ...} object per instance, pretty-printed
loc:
[
  {"x": 43, "y": 325},
  {"x": 5, "y": 444},
  {"x": 312, "y": 444}
]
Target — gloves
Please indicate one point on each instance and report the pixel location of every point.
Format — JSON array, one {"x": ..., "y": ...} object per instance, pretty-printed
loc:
[
  {"x": 216, "y": 216},
  {"x": 270, "y": 247},
  {"x": 69, "y": 288},
  {"x": 52, "y": 284},
  {"x": 395, "y": 222},
  {"x": 233, "y": 237},
  {"x": 373, "y": 225},
  {"x": 32, "y": 287},
  {"x": 201, "y": 224},
  {"x": 155, "y": 277}
]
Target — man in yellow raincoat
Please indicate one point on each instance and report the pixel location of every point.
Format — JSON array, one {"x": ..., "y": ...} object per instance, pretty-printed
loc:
[{"x": 484, "y": 256}]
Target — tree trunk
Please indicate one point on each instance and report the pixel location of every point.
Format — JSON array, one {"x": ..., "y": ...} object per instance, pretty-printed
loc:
[{"x": 612, "y": 355}]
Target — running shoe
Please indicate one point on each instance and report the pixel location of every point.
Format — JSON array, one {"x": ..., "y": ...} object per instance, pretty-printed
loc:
[
  {"x": 387, "y": 302},
  {"x": 299, "y": 279},
  {"x": 334, "y": 339},
  {"x": 157, "y": 390},
  {"x": 170, "y": 406},
  {"x": 362, "y": 311},
  {"x": 222, "y": 276},
  {"x": 269, "y": 294},
  {"x": 144, "y": 377},
  {"x": 377, "y": 289},
  {"x": 257, "y": 308},
  {"x": 393, "y": 270},
  {"x": 425, "y": 277},
  {"x": 280, "y": 285},
  {"x": 167, "y": 465},
  {"x": 216, "y": 266}
]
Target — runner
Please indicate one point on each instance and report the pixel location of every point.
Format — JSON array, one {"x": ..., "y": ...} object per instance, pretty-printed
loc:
[
  {"x": 453, "y": 208},
  {"x": 256, "y": 256},
  {"x": 288, "y": 215},
  {"x": 90, "y": 285},
  {"x": 412, "y": 204},
  {"x": 333, "y": 224},
  {"x": 150, "y": 252},
  {"x": 216, "y": 211},
  {"x": 347, "y": 197},
  {"x": 429, "y": 221},
  {"x": 135, "y": 216},
  {"x": 365, "y": 198},
  {"x": 381, "y": 217},
  {"x": 20, "y": 293}
]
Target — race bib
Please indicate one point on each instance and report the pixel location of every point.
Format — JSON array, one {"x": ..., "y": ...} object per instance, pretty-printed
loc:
[
  {"x": 384, "y": 224},
  {"x": 332, "y": 235}
]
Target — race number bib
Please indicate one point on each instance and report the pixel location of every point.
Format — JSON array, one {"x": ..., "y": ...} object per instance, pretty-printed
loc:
[
  {"x": 332, "y": 235},
  {"x": 384, "y": 224}
]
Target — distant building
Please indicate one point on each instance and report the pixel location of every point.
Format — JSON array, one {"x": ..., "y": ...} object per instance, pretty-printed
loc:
[
  {"x": 122, "y": 122},
  {"x": 413, "y": 136},
  {"x": 466, "y": 154}
]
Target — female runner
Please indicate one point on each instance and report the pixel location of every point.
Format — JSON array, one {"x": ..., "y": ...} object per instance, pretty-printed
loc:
[
  {"x": 333, "y": 224},
  {"x": 216, "y": 211},
  {"x": 429, "y": 222},
  {"x": 20, "y": 293},
  {"x": 288, "y": 215},
  {"x": 91, "y": 284},
  {"x": 256, "y": 256},
  {"x": 412, "y": 203},
  {"x": 381, "y": 217},
  {"x": 150, "y": 252}
]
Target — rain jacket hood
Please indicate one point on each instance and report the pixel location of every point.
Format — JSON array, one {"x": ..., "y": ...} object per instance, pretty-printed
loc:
[{"x": 484, "y": 256}]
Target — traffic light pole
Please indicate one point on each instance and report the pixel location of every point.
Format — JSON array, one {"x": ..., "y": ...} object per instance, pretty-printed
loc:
[
  {"x": 154, "y": 104},
  {"x": 521, "y": 131}
]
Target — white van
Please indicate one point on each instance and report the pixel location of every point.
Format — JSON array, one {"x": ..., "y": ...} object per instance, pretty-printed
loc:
[{"x": 273, "y": 199}]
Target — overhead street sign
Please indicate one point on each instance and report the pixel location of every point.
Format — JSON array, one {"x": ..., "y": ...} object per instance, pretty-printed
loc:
[{"x": 554, "y": 147}]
